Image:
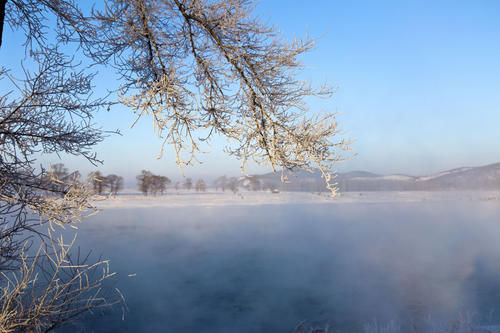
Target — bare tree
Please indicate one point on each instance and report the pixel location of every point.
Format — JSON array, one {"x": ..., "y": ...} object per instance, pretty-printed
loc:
[
  {"x": 74, "y": 177},
  {"x": 254, "y": 183},
  {"x": 201, "y": 186},
  {"x": 164, "y": 182},
  {"x": 188, "y": 184},
  {"x": 221, "y": 182},
  {"x": 55, "y": 176},
  {"x": 144, "y": 181},
  {"x": 232, "y": 184},
  {"x": 99, "y": 182},
  {"x": 159, "y": 184},
  {"x": 114, "y": 183},
  {"x": 58, "y": 171},
  {"x": 46, "y": 108},
  {"x": 194, "y": 66},
  {"x": 150, "y": 183}
]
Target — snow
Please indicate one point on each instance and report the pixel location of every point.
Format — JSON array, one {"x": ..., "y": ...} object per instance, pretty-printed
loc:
[
  {"x": 388, "y": 177},
  {"x": 131, "y": 199},
  {"x": 441, "y": 174},
  {"x": 210, "y": 199},
  {"x": 397, "y": 177}
]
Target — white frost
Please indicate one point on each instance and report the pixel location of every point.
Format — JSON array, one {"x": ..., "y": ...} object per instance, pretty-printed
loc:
[{"x": 211, "y": 198}]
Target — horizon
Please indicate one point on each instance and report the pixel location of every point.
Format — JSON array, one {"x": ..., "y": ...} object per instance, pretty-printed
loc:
[{"x": 210, "y": 178}]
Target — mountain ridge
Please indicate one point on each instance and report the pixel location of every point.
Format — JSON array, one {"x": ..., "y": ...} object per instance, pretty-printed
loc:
[{"x": 486, "y": 177}]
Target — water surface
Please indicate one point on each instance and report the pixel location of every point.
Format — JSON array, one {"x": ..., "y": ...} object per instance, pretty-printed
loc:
[{"x": 266, "y": 268}]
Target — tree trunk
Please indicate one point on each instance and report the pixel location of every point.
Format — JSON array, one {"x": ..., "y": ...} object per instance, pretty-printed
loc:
[{"x": 2, "y": 17}]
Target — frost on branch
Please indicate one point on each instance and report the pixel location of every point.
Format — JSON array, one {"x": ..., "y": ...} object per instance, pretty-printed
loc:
[{"x": 210, "y": 67}]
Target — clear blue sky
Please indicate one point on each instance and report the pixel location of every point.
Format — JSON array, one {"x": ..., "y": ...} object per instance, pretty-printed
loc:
[
  {"x": 418, "y": 81},
  {"x": 418, "y": 87}
]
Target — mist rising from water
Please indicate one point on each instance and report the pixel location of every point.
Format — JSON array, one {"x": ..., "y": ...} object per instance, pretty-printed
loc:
[{"x": 267, "y": 268}]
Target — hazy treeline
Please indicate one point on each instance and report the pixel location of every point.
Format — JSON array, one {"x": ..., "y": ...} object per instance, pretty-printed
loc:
[
  {"x": 200, "y": 186},
  {"x": 110, "y": 183},
  {"x": 250, "y": 183},
  {"x": 224, "y": 183},
  {"x": 60, "y": 178},
  {"x": 149, "y": 183}
]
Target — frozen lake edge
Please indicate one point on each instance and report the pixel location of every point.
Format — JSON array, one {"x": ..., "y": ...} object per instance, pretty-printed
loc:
[{"x": 133, "y": 199}]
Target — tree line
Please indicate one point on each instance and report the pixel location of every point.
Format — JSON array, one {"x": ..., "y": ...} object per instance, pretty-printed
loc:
[
  {"x": 148, "y": 183},
  {"x": 110, "y": 183},
  {"x": 249, "y": 183},
  {"x": 59, "y": 179}
]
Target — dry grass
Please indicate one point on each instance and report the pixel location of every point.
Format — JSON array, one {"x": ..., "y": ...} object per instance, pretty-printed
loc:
[
  {"x": 50, "y": 288},
  {"x": 44, "y": 281}
]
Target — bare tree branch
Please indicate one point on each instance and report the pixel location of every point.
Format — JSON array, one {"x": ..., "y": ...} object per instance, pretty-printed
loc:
[{"x": 198, "y": 68}]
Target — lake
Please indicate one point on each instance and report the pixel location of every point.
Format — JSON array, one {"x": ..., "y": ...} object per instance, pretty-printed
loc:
[{"x": 267, "y": 268}]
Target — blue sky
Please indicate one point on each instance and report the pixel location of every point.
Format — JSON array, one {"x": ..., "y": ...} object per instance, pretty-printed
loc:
[
  {"x": 418, "y": 87},
  {"x": 418, "y": 82}
]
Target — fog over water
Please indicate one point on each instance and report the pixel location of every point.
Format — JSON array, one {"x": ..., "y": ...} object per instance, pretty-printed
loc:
[{"x": 265, "y": 268}]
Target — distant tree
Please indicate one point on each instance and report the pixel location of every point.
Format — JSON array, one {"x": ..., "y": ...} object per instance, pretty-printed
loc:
[
  {"x": 165, "y": 181},
  {"x": 144, "y": 181},
  {"x": 114, "y": 183},
  {"x": 74, "y": 176},
  {"x": 254, "y": 183},
  {"x": 58, "y": 181},
  {"x": 188, "y": 184},
  {"x": 98, "y": 182},
  {"x": 56, "y": 177},
  {"x": 233, "y": 184},
  {"x": 154, "y": 184},
  {"x": 201, "y": 186},
  {"x": 59, "y": 171},
  {"x": 159, "y": 184},
  {"x": 150, "y": 183},
  {"x": 177, "y": 186},
  {"x": 221, "y": 183}
]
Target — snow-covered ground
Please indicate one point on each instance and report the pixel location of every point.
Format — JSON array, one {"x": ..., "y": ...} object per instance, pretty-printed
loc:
[
  {"x": 444, "y": 173},
  {"x": 131, "y": 198}
]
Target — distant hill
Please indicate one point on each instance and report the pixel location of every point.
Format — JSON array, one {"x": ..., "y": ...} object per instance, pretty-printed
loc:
[
  {"x": 485, "y": 177},
  {"x": 465, "y": 178}
]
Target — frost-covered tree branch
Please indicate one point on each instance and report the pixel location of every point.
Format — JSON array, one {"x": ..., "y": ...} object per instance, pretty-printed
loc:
[
  {"x": 47, "y": 106},
  {"x": 200, "y": 66}
]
